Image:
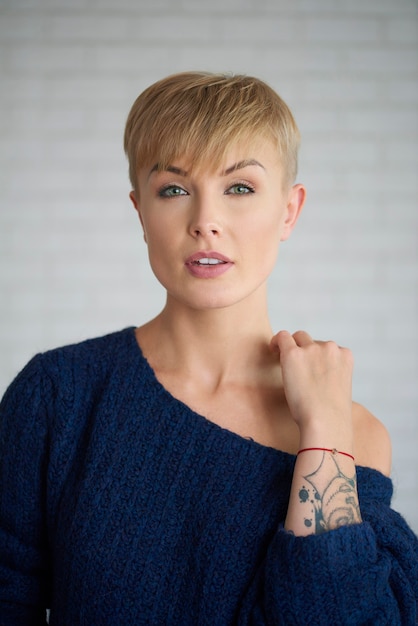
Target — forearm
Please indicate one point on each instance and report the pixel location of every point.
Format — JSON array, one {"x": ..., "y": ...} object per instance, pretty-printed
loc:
[
  {"x": 317, "y": 381},
  {"x": 323, "y": 494}
]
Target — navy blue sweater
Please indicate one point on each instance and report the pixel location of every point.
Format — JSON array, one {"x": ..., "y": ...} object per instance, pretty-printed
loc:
[{"x": 121, "y": 506}]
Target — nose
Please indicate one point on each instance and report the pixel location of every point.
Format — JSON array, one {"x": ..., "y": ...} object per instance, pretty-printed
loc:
[{"x": 205, "y": 219}]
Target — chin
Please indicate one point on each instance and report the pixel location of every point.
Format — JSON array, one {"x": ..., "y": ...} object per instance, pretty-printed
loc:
[
  {"x": 211, "y": 304},
  {"x": 205, "y": 301}
]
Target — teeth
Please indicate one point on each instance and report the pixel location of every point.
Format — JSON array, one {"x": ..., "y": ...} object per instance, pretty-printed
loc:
[{"x": 207, "y": 261}]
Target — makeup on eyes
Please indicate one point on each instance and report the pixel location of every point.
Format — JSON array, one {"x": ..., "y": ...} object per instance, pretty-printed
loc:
[
  {"x": 250, "y": 188},
  {"x": 246, "y": 186},
  {"x": 163, "y": 192}
]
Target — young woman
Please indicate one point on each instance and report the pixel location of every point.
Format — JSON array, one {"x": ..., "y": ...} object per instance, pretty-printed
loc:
[{"x": 201, "y": 469}]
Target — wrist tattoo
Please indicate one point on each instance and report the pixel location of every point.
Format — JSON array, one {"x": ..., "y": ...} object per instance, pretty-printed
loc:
[{"x": 331, "y": 496}]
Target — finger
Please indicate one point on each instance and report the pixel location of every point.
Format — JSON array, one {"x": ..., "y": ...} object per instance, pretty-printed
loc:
[
  {"x": 332, "y": 344},
  {"x": 322, "y": 342},
  {"x": 302, "y": 338},
  {"x": 282, "y": 341}
]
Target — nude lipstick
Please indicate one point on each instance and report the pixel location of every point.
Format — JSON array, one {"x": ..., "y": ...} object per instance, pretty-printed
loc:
[{"x": 208, "y": 264}]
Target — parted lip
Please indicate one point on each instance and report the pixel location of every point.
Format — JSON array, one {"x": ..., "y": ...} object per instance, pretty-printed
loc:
[{"x": 206, "y": 254}]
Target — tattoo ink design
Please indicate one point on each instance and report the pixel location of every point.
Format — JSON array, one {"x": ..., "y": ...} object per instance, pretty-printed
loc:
[{"x": 334, "y": 501}]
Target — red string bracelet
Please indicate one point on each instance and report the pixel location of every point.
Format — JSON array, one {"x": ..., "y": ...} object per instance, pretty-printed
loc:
[{"x": 332, "y": 450}]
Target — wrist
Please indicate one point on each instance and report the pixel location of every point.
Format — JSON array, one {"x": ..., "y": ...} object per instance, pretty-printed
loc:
[
  {"x": 332, "y": 451},
  {"x": 329, "y": 438}
]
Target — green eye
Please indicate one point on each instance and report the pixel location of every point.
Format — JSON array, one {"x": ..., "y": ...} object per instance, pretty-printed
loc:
[
  {"x": 171, "y": 191},
  {"x": 240, "y": 189}
]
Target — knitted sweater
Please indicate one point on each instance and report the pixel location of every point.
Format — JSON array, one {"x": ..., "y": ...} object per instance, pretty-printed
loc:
[{"x": 121, "y": 506}]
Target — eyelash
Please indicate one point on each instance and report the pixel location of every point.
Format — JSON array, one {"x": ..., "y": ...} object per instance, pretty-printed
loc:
[
  {"x": 165, "y": 188},
  {"x": 245, "y": 185},
  {"x": 162, "y": 192}
]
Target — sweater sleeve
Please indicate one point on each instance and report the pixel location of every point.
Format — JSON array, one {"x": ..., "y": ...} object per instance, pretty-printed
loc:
[
  {"x": 361, "y": 574},
  {"x": 24, "y": 575}
]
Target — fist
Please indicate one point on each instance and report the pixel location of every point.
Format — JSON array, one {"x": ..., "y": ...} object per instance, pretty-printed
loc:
[{"x": 317, "y": 381}]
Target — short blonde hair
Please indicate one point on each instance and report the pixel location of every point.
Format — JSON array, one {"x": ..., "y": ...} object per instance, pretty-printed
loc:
[{"x": 200, "y": 115}]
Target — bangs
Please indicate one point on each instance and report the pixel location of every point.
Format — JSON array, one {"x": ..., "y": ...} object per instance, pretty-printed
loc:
[{"x": 199, "y": 116}]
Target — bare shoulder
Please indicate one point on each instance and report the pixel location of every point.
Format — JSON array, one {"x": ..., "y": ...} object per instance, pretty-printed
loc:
[{"x": 372, "y": 445}]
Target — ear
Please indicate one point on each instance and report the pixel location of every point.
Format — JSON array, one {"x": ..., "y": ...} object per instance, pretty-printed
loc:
[
  {"x": 135, "y": 201},
  {"x": 295, "y": 201}
]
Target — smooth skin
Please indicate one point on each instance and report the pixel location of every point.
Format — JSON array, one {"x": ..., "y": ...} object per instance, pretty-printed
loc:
[{"x": 212, "y": 346}]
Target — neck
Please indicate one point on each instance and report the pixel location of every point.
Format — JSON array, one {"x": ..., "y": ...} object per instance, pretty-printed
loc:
[{"x": 219, "y": 345}]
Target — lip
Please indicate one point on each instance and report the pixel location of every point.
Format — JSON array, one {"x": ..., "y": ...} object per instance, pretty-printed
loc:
[
  {"x": 207, "y": 254},
  {"x": 208, "y": 271}
]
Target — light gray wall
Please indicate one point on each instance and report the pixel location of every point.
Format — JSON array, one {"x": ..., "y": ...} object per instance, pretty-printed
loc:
[{"x": 73, "y": 263}]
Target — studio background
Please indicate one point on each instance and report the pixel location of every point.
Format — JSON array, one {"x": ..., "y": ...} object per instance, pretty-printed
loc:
[{"x": 73, "y": 263}]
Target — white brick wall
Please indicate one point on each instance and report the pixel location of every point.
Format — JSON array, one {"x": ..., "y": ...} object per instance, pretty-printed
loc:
[{"x": 72, "y": 260}]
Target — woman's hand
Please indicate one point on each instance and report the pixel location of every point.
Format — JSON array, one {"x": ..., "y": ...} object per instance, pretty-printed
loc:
[{"x": 317, "y": 379}]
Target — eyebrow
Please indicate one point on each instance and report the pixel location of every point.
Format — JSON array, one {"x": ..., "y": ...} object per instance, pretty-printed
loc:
[
  {"x": 236, "y": 166},
  {"x": 241, "y": 164},
  {"x": 169, "y": 168}
]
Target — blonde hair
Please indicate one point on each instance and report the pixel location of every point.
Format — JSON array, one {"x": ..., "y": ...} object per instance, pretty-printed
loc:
[{"x": 200, "y": 115}]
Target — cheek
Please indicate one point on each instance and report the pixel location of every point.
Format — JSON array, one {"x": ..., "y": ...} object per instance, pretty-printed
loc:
[
  {"x": 265, "y": 231},
  {"x": 262, "y": 247},
  {"x": 154, "y": 231},
  {"x": 158, "y": 248},
  {"x": 163, "y": 249},
  {"x": 159, "y": 262}
]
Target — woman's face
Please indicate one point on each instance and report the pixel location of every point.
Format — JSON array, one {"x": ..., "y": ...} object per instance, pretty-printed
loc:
[{"x": 213, "y": 237}]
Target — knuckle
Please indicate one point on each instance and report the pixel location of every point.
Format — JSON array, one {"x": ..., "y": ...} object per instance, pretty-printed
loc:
[{"x": 348, "y": 355}]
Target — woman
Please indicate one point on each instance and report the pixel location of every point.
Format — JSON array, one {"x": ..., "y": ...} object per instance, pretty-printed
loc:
[{"x": 200, "y": 469}]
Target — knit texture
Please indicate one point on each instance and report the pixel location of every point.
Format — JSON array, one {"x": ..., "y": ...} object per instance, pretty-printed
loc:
[{"x": 121, "y": 506}]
